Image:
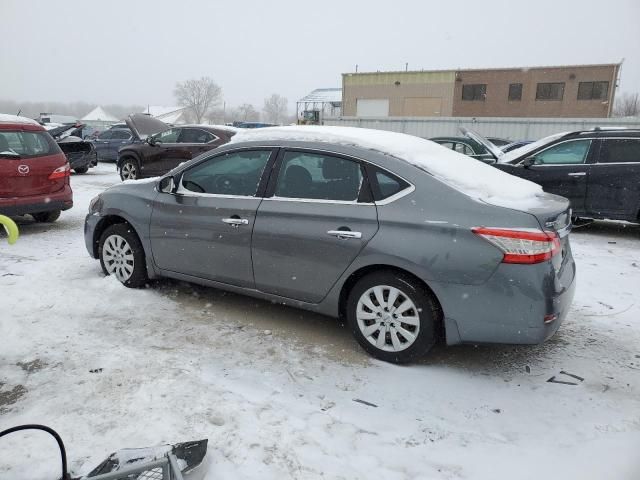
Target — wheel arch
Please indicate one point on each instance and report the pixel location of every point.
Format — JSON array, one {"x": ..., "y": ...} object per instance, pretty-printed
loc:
[
  {"x": 353, "y": 278},
  {"x": 127, "y": 154},
  {"x": 105, "y": 223}
]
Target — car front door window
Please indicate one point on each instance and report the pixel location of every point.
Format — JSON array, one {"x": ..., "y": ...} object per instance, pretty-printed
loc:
[
  {"x": 318, "y": 177},
  {"x": 236, "y": 174},
  {"x": 168, "y": 136},
  {"x": 566, "y": 153}
]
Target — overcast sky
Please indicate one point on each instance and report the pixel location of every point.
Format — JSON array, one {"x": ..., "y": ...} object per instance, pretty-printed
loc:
[{"x": 133, "y": 52}]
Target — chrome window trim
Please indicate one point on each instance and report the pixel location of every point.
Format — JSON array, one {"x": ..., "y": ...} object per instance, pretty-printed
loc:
[
  {"x": 316, "y": 200},
  {"x": 397, "y": 196},
  {"x": 590, "y": 140},
  {"x": 181, "y": 190}
]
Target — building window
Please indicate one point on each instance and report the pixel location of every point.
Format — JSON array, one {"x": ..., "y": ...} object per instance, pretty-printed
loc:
[
  {"x": 593, "y": 90},
  {"x": 474, "y": 92},
  {"x": 550, "y": 91},
  {"x": 515, "y": 91}
]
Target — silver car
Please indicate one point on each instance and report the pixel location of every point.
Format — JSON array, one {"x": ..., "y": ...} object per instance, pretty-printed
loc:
[{"x": 349, "y": 231}]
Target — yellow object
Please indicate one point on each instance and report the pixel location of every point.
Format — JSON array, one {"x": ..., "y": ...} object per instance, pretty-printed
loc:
[{"x": 10, "y": 227}]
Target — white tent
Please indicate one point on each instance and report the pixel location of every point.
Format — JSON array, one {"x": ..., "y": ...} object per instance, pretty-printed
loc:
[
  {"x": 172, "y": 115},
  {"x": 98, "y": 114}
]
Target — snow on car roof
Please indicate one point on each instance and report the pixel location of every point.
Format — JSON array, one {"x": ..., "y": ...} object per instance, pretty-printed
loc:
[
  {"x": 4, "y": 117},
  {"x": 472, "y": 177}
]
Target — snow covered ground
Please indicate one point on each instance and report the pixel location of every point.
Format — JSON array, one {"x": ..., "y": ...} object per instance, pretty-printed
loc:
[{"x": 276, "y": 390}]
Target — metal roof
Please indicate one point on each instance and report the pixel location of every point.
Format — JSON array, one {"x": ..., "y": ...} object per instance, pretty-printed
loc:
[{"x": 323, "y": 95}]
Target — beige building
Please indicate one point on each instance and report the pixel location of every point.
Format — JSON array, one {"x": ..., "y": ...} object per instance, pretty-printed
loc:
[{"x": 567, "y": 91}]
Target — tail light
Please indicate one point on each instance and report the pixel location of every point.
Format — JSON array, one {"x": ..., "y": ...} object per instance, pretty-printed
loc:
[
  {"x": 521, "y": 246},
  {"x": 60, "y": 172}
]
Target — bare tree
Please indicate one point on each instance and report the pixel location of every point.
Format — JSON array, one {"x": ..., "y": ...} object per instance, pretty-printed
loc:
[
  {"x": 275, "y": 108},
  {"x": 627, "y": 105},
  {"x": 198, "y": 95},
  {"x": 248, "y": 113}
]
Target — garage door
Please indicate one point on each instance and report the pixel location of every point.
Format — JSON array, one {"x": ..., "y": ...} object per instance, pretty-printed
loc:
[{"x": 372, "y": 107}]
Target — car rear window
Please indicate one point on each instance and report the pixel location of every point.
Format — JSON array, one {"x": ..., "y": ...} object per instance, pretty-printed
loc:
[
  {"x": 386, "y": 185},
  {"x": 26, "y": 144}
]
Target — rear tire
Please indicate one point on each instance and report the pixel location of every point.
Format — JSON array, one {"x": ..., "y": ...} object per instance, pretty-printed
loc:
[
  {"x": 121, "y": 254},
  {"x": 46, "y": 217},
  {"x": 129, "y": 169},
  {"x": 81, "y": 170},
  {"x": 398, "y": 307}
]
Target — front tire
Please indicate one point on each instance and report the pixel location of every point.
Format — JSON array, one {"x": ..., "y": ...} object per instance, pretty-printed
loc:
[
  {"x": 129, "y": 169},
  {"x": 392, "y": 316},
  {"x": 121, "y": 254},
  {"x": 46, "y": 217}
]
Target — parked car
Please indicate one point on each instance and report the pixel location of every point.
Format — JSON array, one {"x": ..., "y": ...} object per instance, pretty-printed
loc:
[
  {"x": 253, "y": 125},
  {"x": 514, "y": 145},
  {"x": 597, "y": 170},
  {"x": 34, "y": 172},
  {"x": 108, "y": 143},
  {"x": 466, "y": 146},
  {"x": 375, "y": 227},
  {"x": 160, "y": 148},
  {"x": 80, "y": 154}
]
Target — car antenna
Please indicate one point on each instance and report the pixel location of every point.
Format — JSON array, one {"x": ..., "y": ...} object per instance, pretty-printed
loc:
[{"x": 19, "y": 112}]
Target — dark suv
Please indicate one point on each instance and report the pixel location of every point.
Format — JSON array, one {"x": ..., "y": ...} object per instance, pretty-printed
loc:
[
  {"x": 161, "y": 148},
  {"x": 597, "y": 170}
]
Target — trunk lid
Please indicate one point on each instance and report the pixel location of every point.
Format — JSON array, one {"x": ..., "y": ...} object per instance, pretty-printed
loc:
[
  {"x": 554, "y": 215},
  {"x": 144, "y": 125},
  {"x": 495, "y": 151}
]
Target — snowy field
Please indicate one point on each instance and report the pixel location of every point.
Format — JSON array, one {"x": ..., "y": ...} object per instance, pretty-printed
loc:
[{"x": 275, "y": 389}]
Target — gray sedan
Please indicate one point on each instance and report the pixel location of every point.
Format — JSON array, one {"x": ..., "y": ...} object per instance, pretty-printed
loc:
[{"x": 346, "y": 231}]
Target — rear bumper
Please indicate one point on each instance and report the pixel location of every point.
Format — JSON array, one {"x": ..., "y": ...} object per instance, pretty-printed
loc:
[
  {"x": 62, "y": 200},
  {"x": 510, "y": 308}
]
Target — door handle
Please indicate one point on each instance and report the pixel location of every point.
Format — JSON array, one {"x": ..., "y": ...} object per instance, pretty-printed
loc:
[
  {"x": 344, "y": 234},
  {"x": 577, "y": 174},
  {"x": 235, "y": 222}
]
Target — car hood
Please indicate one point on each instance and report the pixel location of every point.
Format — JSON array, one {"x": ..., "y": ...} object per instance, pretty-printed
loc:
[
  {"x": 491, "y": 148},
  {"x": 143, "y": 125},
  {"x": 57, "y": 132}
]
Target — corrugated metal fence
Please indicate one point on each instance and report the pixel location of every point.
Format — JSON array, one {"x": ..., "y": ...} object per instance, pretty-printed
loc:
[{"x": 510, "y": 128}]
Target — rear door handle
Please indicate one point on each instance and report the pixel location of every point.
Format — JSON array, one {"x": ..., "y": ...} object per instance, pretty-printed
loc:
[
  {"x": 577, "y": 174},
  {"x": 235, "y": 222},
  {"x": 345, "y": 234}
]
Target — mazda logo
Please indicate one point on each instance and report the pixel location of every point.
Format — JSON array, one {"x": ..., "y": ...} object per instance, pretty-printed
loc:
[{"x": 23, "y": 169}]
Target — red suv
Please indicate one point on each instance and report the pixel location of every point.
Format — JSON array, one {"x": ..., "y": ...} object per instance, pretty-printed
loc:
[{"x": 34, "y": 173}]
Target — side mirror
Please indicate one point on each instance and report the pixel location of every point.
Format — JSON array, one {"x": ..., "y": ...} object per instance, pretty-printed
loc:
[
  {"x": 529, "y": 161},
  {"x": 167, "y": 185},
  {"x": 151, "y": 141}
]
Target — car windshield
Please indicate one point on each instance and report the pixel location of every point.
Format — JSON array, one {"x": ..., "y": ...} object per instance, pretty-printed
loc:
[
  {"x": 320, "y": 240},
  {"x": 25, "y": 144}
]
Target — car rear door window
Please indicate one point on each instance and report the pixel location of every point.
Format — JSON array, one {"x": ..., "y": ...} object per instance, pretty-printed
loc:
[
  {"x": 464, "y": 149},
  {"x": 566, "y": 153},
  {"x": 121, "y": 135},
  {"x": 105, "y": 135},
  {"x": 236, "y": 173},
  {"x": 318, "y": 177},
  {"x": 620, "y": 150},
  {"x": 195, "y": 135}
]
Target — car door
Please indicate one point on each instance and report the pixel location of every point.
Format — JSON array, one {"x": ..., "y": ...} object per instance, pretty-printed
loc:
[
  {"x": 312, "y": 224},
  {"x": 204, "y": 228},
  {"x": 614, "y": 180},
  {"x": 165, "y": 153},
  {"x": 562, "y": 169},
  {"x": 101, "y": 145},
  {"x": 119, "y": 138}
]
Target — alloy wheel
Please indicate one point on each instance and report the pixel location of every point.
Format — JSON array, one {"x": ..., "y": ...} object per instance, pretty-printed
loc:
[
  {"x": 117, "y": 256},
  {"x": 128, "y": 171},
  {"x": 388, "y": 318}
]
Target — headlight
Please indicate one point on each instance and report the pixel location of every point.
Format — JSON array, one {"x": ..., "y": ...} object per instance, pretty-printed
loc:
[{"x": 95, "y": 204}]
